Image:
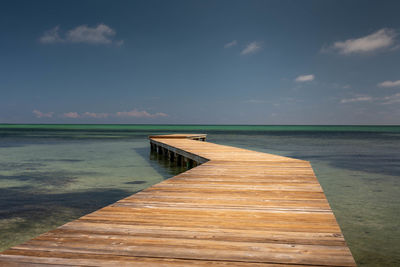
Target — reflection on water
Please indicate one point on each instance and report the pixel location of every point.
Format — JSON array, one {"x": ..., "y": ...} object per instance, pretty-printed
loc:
[
  {"x": 46, "y": 184},
  {"x": 50, "y": 175}
]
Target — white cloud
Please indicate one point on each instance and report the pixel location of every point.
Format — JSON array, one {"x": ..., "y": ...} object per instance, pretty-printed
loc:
[
  {"x": 389, "y": 83},
  {"x": 40, "y": 114},
  {"x": 140, "y": 114},
  {"x": 356, "y": 99},
  {"x": 384, "y": 38},
  {"x": 251, "y": 48},
  {"x": 100, "y": 34},
  {"x": 71, "y": 115},
  {"x": 305, "y": 78},
  {"x": 233, "y": 43}
]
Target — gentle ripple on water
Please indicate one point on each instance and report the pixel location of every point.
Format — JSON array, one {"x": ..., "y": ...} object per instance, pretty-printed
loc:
[{"x": 50, "y": 175}]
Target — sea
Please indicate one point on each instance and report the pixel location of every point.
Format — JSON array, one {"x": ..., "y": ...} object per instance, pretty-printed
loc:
[{"x": 52, "y": 174}]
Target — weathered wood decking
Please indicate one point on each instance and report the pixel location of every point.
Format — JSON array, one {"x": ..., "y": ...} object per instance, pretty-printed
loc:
[{"x": 238, "y": 208}]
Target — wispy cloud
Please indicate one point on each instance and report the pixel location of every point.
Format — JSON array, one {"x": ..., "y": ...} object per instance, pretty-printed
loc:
[
  {"x": 356, "y": 99},
  {"x": 251, "y": 48},
  {"x": 140, "y": 114},
  {"x": 274, "y": 102},
  {"x": 230, "y": 44},
  {"x": 71, "y": 115},
  {"x": 382, "y": 100},
  {"x": 379, "y": 40},
  {"x": 256, "y": 101},
  {"x": 305, "y": 78},
  {"x": 389, "y": 83},
  {"x": 393, "y": 99},
  {"x": 40, "y": 114},
  {"x": 95, "y": 115},
  {"x": 100, "y": 34},
  {"x": 51, "y": 36}
]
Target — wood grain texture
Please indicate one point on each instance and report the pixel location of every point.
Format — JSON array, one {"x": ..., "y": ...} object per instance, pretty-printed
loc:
[{"x": 238, "y": 208}]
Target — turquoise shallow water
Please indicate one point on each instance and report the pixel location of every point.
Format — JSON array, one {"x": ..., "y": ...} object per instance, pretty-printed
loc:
[{"x": 51, "y": 174}]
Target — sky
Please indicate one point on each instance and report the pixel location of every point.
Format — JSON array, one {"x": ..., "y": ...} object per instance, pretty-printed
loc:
[{"x": 200, "y": 62}]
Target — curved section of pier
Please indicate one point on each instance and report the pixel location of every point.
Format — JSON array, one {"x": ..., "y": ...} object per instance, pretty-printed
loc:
[{"x": 233, "y": 207}]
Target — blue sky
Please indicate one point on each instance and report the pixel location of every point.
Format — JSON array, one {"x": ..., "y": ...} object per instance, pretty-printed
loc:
[{"x": 200, "y": 62}]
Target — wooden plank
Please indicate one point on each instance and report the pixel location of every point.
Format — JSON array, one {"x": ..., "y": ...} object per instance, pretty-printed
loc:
[
  {"x": 27, "y": 257},
  {"x": 239, "y": 208}
]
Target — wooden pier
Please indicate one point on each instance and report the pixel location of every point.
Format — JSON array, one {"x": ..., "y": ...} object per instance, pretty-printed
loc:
[{"x": 236, "y": 208}]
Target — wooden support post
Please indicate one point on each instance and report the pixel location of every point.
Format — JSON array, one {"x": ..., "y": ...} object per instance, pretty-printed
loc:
[
  {"x": 179, "y": 160},
  {"x": 171, "y": 156},
  {"x": 189, "y": 164},
  {"x": 174, "y": 157},
  {"x": 184, "y": 161}
]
